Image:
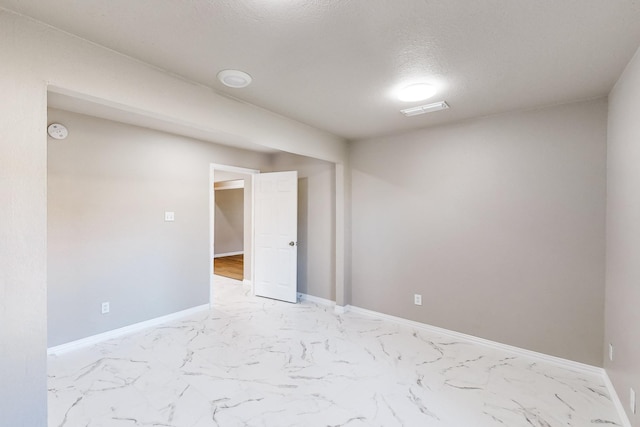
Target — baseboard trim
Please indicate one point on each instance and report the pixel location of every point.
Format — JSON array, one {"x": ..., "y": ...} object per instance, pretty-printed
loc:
[
  {"x": 554, "y": 360},
  {"x": 616, "y": 400},
  {"x": 228, "y": 254},
  {"x": 115, "y": 333},
  {"x": 341, "y": 309},
  {"x": 558, "y": 361},
  {"x": 247, "y": 283},
  {"x": 314, "y": 299}
]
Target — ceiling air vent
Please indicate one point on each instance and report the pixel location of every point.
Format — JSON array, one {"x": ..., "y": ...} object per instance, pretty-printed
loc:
[{"x": 422, "y": 109}]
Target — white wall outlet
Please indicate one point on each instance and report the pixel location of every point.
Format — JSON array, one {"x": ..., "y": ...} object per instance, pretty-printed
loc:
[
  {"x": 105, "y": 307},
  {"x": 632, "y": 400},
  {"x": 417, "y": 299},
  {"x": 169, "y": 216},
  {"x": 611, "y": 352}
]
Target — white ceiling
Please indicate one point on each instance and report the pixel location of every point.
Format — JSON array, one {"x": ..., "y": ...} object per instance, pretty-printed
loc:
[{"x": 334, "y": 64}]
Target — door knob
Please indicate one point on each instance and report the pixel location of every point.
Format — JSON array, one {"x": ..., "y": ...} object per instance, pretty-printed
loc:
[{"x": 292, "y": 243}]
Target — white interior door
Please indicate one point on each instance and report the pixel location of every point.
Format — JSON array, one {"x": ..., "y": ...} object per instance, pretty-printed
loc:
[{"x": 276, "y": 235}]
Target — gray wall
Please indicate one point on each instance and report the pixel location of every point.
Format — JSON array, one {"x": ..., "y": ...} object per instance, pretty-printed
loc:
[
  {"x": 229, "y": 221},
  {"x": 498, "y": 222},
  {"x": 109, "y": 185},
  {"x": 622, "y": 320},
  {"x": 316, "y": 222},
  {"x": 221, "y": 175},
  {"x": 23, "y": 244},
  {"x": 31, "y": 64},
  {"x": 248, "y": 237}
]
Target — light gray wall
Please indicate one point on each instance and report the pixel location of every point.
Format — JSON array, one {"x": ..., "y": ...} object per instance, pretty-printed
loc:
[
  {"x": 23, "y": 245},
  {"x": 221, "y": 175},
  {"x": 497, "y": 222},
  {"x": 248, "y": 237},
  {"x": 109, "y": 185},
  {"x": 229, "y": 221},
  {"x": 622, "y": 309},
  {"x": 31, "y": 64},
  {"x": 316, "y": 222}
]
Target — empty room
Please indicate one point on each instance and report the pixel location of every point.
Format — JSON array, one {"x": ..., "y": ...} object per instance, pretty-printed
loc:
[{"x": 319, "y": 213}]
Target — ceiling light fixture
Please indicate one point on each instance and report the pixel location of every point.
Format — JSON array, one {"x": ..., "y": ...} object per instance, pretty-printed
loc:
[
  {"x": 416, "y": 92},
  {"x": 422, "y": 109},
  {"x": 234, "y": 78}
]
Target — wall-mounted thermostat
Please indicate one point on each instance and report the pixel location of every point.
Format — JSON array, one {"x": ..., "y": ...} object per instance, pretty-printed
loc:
[{"x": 57, "y": 131}]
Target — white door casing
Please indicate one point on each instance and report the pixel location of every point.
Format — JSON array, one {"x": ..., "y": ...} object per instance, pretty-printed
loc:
[
  {"x": 228, "y": 168},
  {"x": 276, "y": 235}
]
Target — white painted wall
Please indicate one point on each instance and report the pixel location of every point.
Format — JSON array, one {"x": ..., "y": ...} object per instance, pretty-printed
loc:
[
  {"x": 498, "y": 222},
  {"x": 35, "y": 56},
  {"x": 622, "y": 320}
]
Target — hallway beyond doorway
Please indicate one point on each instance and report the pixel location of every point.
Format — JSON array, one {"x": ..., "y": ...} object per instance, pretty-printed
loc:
[{"x": 229, "y": 266}]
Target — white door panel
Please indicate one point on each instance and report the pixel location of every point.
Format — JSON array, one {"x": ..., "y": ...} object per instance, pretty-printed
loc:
[{"x": 276, "y": 234}]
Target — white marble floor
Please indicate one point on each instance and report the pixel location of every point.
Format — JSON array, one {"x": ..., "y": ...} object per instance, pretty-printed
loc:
[{"x": 257, "y": 362}]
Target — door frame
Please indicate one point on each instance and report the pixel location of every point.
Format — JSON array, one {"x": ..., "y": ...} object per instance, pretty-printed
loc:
[{"x": 212, "y": 210}]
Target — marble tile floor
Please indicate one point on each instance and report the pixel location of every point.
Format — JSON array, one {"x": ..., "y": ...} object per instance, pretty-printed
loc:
[{"x": 257, "y": 362}]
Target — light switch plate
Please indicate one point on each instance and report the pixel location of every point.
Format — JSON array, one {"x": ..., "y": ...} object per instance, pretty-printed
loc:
[
  {"x": 611, "y": 352},
  {"x": 169, "y": 216}
]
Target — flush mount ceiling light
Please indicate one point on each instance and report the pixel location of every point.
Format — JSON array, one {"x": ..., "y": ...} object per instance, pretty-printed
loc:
[
  {"x": 416, "y": 92},
  {"x": 234, "y": 78},
  {"x": 422, "y": 109}
]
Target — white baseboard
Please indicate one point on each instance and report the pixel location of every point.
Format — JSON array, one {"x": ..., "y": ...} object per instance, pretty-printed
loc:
[
  {"x": 341, "y": 309},
  {"x": 554, "y": 360},
  {"x": 317, "y": 300},
  {"x": 115, "y": 333},
  {"x": 558, "y": 361},
  {"x": 247, "y": 283},
  {"x": 616, "y": 400},
  {"x": 228, "y": 254}
]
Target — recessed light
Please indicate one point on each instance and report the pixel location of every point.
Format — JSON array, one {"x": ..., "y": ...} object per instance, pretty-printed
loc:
[
  {"x": 422, "y": 109},
  {"x": 234, "y": 78},
  {"x": 416, "y": 92}
]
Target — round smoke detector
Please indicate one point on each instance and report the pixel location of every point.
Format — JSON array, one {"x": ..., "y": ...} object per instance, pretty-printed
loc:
[
  {"x": 234, "y": 78},
  {"x": 57, "y": 131}
]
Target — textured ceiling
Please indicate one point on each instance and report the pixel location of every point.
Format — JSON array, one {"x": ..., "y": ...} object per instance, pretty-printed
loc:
[{"x": 334, "y": 64}]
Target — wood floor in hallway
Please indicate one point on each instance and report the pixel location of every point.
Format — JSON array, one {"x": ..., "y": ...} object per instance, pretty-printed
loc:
[{"x": 229, "y": 266}]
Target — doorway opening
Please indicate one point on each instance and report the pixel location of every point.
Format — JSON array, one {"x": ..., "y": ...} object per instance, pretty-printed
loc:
[
  {"x": 268, "y": 227},
  {"x": 230, "y": 266},
  {"x": 231, "y": 224}
]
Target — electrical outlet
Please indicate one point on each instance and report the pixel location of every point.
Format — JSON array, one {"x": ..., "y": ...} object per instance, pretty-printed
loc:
[
  {"x": 632, "y": 400},
  {"x": 105, "y": 307},
  {"x": 417, "y": 299},
  {"x": 611, "y": 352},
  {"x": 169, "y": 216}
]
